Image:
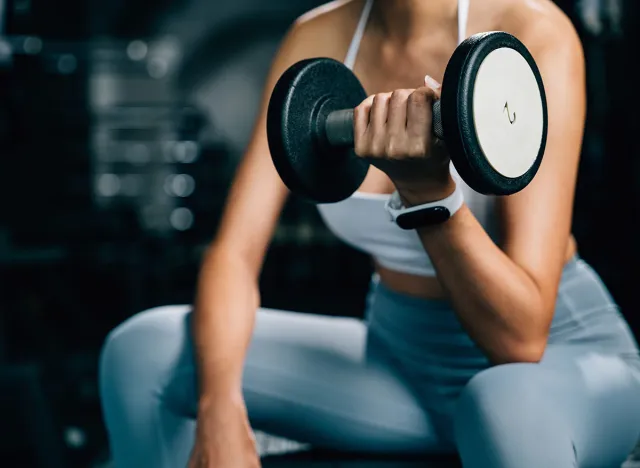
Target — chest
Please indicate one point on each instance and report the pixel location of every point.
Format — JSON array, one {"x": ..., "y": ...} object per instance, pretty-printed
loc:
[
  {"x": 384, "y": 68},
  {"x": 390, "y": 70}
]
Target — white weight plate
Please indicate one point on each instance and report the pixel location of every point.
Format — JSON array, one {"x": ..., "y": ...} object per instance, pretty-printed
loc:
[{"x": 508, "y": 112}]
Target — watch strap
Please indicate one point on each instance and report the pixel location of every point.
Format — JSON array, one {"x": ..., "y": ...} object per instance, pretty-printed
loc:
[{"x": 426, "y": 214}]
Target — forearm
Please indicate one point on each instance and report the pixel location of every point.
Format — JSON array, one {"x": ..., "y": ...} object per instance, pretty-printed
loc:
[
  {"x": 226, "y": 303},
  {"x": 497, "y": 302}
]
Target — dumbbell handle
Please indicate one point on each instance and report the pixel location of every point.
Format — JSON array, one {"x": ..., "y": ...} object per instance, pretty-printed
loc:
[{"x": 338, "y": 126}]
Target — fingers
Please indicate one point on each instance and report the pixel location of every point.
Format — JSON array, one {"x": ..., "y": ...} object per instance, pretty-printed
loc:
[
  {"x": 419, "y": 111},
  {"x": 361, "y": 116},
  {"x": 379, "y": 110},
  {"x": 430, "y": 82},
  {"x": 397, "y": 117},
  {"x": 370, "y": 121},
  {"x": 398, "y": 123}
]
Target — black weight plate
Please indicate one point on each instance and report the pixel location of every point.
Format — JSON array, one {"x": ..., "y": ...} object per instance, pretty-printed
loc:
[
  {"x": 472, "y": 141},
  {"x": 308, "y": 166}
]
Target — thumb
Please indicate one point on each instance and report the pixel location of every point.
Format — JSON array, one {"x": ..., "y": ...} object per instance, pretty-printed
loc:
[{"x": 431, "y": 83}]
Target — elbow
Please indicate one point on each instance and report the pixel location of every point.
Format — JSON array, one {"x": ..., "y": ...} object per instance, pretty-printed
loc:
[
  {"x": 530, "y": 353},
  {"x": 529, "y": 350},
  {"x": 527, "y": 342}
]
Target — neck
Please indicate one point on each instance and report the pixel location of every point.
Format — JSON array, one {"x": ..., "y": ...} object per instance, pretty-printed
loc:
[{"x": 406, "y": 20}]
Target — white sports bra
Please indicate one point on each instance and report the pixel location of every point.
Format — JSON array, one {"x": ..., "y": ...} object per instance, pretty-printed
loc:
[{"x": 361, "y": 219}]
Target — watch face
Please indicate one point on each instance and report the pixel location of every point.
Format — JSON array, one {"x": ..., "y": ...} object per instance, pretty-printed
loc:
[{"x": 425, "y": 217}]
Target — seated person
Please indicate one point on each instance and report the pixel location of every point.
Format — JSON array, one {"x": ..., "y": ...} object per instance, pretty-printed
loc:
[{"x": 486, "y": 335}]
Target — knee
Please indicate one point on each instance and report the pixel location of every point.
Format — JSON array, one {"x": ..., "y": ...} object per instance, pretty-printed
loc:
[
  {"x": 142, "y": 343},
  {"x": 501, "y": 400},
  {"x": 507, "y": 417}
]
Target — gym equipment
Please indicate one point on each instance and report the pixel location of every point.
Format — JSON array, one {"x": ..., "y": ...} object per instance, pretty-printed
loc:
[{"x": 492, "y": 117}]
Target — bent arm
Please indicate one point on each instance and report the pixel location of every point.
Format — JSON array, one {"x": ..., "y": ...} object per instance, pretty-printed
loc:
[{"x": 505, "y": 296}]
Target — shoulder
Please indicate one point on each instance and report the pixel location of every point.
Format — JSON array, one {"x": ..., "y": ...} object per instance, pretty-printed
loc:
[
  {"x": 326, "y": 30},
  {"x": 329, "y": 12},
  {"x": 546, "y": 31}
]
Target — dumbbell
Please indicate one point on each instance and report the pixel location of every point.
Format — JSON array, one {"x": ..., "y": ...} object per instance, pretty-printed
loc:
[{"x": 492, "y": 116}]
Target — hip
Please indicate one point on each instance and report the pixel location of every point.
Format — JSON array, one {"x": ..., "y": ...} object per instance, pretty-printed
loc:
[{"x": 425, "y": 336}]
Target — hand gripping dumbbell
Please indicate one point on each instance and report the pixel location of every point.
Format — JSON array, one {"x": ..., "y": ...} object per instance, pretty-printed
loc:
[{"x": 492, "y": 116}]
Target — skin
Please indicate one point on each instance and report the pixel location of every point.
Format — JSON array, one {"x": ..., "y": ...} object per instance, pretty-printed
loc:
[{"x": 504, "y": 295}]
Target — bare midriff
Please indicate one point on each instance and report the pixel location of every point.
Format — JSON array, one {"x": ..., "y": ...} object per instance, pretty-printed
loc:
[{"x": 428, "y": 287}]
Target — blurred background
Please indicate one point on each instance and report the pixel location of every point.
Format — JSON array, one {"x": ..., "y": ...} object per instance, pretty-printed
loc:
[{"x": 121, "y": 125}]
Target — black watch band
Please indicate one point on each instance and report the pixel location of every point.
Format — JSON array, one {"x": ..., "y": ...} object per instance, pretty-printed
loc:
[{"x": 428, "y": 214}]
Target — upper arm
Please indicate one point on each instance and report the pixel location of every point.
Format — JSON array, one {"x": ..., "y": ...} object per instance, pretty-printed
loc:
[
  {"x": 537, "y": 221},
  {"x": 257, "y": 194}
]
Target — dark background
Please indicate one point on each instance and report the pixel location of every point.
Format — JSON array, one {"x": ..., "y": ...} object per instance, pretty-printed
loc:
[{"x": 121, "y": 125}]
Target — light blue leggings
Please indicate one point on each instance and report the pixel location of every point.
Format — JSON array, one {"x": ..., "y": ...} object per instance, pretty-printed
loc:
[{"x": 406, "y": 380}]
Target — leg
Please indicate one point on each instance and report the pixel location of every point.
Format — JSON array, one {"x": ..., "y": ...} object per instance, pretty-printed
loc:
[
  {"x": 306, "y": 378},
  {"x": 575, "y": 408}
]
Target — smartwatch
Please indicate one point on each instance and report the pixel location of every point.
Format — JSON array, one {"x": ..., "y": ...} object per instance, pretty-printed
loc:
[{"x": 427, "y": 214}]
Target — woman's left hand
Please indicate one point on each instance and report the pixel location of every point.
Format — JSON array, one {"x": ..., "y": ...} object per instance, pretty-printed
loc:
[{"x": 393, "y": 131}]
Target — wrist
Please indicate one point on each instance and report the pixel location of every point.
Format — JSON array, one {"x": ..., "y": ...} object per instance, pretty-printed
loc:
[
  {"x": 427, "y": 191},
  {"x": 220, "y": 397}
]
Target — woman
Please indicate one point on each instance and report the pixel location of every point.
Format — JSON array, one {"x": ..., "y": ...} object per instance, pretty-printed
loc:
[{"x": 486, "y": 333}]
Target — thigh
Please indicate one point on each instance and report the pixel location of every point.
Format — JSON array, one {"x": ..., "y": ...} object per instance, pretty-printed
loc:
[
  {"x": 315, "y": 379},
  {"x": 574, "y": 404},
  {"x": 599, "y": 394}
]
